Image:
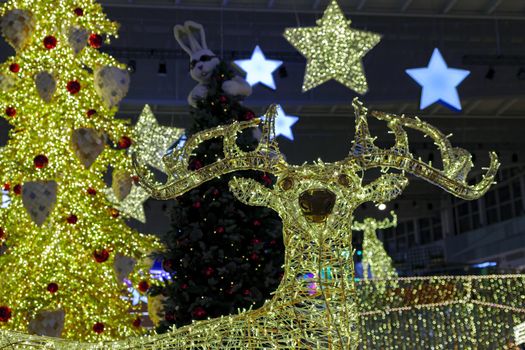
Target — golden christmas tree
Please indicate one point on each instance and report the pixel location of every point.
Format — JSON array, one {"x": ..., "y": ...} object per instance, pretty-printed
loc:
[{"x": 66, "y": 249}]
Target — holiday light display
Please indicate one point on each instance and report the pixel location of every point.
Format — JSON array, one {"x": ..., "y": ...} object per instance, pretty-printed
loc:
[
  {"x": 376, "y": 262},
  {"x": 59, "y": 93},
  {"x": 439, "y": 82},
  {"x": 259, "y": 69},
  {"x": 315, "y": 202},
  {"x": 333, "y": 50}
]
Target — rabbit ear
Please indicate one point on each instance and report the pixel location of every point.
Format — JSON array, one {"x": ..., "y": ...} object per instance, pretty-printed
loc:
[
  {"x": 197, "y": 35},
  {"x": 183, "y": 38}
]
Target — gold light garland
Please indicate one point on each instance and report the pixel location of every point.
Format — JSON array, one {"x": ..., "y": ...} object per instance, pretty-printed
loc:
[
  {"x": 333, "y": 50},
  {"x": 65, "y": 265},
  {"x": 376, "y": 262}
]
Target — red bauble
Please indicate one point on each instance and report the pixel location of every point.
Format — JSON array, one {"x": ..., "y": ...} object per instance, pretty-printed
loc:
[
  {"x": 143, "y": 286},
  {"x": 195, "y": 164},
  {"x": 72, "y": 219},
  {"x": 5, "y": 313},
  {"x": 247, "y": 292},
  {"x": 169, "y": 316},
  {"x": 209, "y": 271},
  {"x": 79, "y": 11},
  {"x": 257, "y": 223},
  {"x": 95, "y": 40},
  {"x": 114, "y": 212},
  {"x": 266, "y": 179},
  {"x": 73, "y": 87},
  {"x": 249, "y": 115},
  {"x": 50, "y": 42},
  {"x": 223, "y": 99},
  {"x": 101, "y": 256},
  {"x": 216, "y": 193},
  {"x": 52, "y": 287},
  {"x": 14, "y": 67},
  {"x": 219, "y": 229},
  {"x": 254, "y": 257},
  {"x": 40, "y": 161},
  {"x": 124, "y": 142},
  {"x": 91, "y": 113},
  {"x": 168, "y": 264},
  {"x": 197, "y": 205},
  {"x": 135, "y": 179},
  {"x": 137, "y": 322},
  {"x": 10, "y": 111},
  {"x": 2, "y": 234},
  {"x": 91, "y": 191},
  {"x": 256, "y": 241},
  {"x": 184, "y": 286},
  {"x": 7, "y": 186},
  {"x": 17, "y": 189},
  {"x": 199, "y": 312},
  {"x": 273, "y": 242},
  {"x": 98, "y": 327}
]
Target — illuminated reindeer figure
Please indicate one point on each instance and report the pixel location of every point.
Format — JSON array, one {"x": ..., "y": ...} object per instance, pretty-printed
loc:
[
  {"x": 376, "y": 262},
  {"x": 315, "y": 203}
]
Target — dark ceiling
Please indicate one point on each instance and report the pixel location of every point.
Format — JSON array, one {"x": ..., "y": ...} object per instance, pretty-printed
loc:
[{"x": 471, "y": 34}]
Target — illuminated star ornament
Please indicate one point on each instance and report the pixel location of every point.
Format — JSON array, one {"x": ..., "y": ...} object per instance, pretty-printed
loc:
[
  {"x": 284, "y": 124},
  {"x": 439, "y": 82},
  {"x": 333, "y": 50},
  {"x": 259, "y": 69},
  {"x": 152, "y": 139},
  {"x": 132, "y": 205}
]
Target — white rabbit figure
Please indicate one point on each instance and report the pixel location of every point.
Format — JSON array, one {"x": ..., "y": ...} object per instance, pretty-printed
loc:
[{"x": 192, "y": 39}]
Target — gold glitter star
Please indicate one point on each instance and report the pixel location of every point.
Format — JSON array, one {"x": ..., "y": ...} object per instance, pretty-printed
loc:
[
  {"x": 152, "y": 139},
  {"x": 333, "y": 50},
  {"x": 133, "y": 205}
]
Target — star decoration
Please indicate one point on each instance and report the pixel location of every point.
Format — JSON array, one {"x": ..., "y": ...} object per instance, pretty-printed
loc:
[
  {"x": 439, "y": 82},
  {"x": 333, "y": 50},
  {"x": 153, "y": 140},
  {"x": 259, "y": 69},
  {"x": 132, "y": 205},
  {"x": 284, "y": 124}
]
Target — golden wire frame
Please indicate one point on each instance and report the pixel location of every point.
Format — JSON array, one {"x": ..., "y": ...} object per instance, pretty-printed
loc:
[{"x": 340, "y": 314}]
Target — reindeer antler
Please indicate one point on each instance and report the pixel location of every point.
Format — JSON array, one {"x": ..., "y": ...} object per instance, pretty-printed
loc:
[
  {"x": 266, "y": 157},
  {"x": 456, "y": 161}
]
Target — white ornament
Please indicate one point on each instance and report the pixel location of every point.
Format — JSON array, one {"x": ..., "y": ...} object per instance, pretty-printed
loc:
[
  {"x": 17, "y": 28},
  {"x": 48, "y": 323},
  {"x": 111, "y": 84},
  {"x": 46, "y": 86},
  {"x": 259, "y": 69},
  {"x": 77, "y": 38},
  {"x": 87, "y": 144},
  {"x": 39, "y": 199}
]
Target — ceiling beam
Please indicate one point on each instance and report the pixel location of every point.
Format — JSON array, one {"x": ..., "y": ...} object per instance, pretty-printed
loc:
[
  {"x": 449, "y": 6},
  {"x": 492, "y": 6},
  {"x": 361, "y": 5},
  {"x": 314, "y": 10},
  {"x": 505, "y": 107},
  {"x": 405, "y": 5}
]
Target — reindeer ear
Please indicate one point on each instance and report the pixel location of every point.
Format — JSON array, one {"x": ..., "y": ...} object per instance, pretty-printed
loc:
[
  {"x": 183, "y": 38},
  {"x": 197, "y": 35},
  {"x": 250, "y": 192}
]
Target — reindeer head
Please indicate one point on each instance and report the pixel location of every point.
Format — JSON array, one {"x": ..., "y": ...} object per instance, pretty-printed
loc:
[{"x": 322, "y": 194}]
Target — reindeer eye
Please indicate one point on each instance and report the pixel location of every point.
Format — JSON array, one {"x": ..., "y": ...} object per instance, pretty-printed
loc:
[
  {"x": 286, "y": 184},
  {"x": 343, "y": 180}
]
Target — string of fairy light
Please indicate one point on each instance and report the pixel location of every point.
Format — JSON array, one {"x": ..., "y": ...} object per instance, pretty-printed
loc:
[{"x": 61, "y": 233}]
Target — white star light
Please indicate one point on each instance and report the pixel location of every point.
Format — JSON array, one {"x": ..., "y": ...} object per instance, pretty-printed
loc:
[
  {"x": 258, "y": 69},
  {"x": 284, "y": 123},
  {"x": 439, "y": 82}
]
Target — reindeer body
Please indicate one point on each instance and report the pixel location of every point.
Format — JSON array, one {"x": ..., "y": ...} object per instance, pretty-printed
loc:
[{"x": 316, "y": 204}]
